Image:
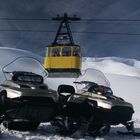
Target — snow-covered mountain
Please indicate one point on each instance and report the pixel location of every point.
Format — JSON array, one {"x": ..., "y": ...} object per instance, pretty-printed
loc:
[
  {"x": 124, "y": 77},
  {"x": 114, "y": 65}
]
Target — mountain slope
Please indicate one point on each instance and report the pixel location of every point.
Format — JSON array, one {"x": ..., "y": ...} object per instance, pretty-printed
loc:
[{"x": 114, "y": 65}]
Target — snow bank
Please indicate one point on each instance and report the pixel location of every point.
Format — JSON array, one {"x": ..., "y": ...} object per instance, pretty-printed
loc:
[
  {"x": 113, "y": 65},
  {"x": 128, "y": 88},
  {"x": 9, "y": 54}
]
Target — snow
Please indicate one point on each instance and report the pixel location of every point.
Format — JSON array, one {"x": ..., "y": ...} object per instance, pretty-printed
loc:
[
  {"x": 128, "y": 88},
  {"x": 114, "y": 65},
  {"x": 124, "y": 77}
]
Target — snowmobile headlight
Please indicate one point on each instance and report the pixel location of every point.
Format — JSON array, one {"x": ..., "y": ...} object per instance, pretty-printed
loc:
[
  {"x": 104, "y": 105},
  {"x": 16, "y": 93}
]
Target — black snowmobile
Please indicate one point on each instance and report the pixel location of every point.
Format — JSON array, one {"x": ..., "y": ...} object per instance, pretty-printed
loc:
[
  {"x": 93, "y": 107},
  {"x": 25, "y": 101}
]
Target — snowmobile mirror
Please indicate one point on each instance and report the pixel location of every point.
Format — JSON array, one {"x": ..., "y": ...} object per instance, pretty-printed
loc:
[{"x": 66, "y": 89}]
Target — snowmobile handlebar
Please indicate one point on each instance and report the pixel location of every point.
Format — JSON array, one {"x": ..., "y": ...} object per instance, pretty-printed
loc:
[{"x": 77, "y": 82}]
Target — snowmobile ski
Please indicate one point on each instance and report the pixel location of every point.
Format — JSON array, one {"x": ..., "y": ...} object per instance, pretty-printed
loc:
[{"x": 129, "y": 133}]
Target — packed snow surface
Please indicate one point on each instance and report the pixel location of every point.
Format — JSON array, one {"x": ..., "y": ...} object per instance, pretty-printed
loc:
[{"x": 124, "y": 77}]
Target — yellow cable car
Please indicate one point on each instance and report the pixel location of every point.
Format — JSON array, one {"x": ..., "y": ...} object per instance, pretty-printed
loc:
[
  {"x": 63, "y": 59},
  {"x": 63, "y": 56}
]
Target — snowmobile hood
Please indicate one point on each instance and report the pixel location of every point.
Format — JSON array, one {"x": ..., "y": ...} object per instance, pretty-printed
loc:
[{"x": 107, "y": 102}]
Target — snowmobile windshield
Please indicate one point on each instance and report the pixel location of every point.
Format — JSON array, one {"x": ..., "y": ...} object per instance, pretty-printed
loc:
[
  {"x": 91, "y": 78},
  {"x": 24, "y": 65}
]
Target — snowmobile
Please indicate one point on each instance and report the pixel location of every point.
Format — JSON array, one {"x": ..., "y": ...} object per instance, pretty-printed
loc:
[
  {"x": 25, "y": 101},
  {"x": 93, "y": 104}
]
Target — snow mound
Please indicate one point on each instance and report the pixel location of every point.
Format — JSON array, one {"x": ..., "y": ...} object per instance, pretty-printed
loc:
[
  {"x": 128, "y": 88},
  {"x": 9, "y": 54},
  {"x": 114, "y": 65}
]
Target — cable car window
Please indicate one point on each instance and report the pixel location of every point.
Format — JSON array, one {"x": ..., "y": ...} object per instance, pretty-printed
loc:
[
  {"x": 55, "y": 51},
  {"x": 66, "y": 51},
  {"x": 76, "y": 51},
  {"x": 47, "y": 51}
]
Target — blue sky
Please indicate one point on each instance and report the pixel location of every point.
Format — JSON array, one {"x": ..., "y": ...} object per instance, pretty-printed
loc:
[{"x": 92, "y": 44}]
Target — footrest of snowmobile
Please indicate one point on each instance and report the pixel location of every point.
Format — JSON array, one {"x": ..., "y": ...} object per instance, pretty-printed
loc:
[{"x": 129, "y": 133}]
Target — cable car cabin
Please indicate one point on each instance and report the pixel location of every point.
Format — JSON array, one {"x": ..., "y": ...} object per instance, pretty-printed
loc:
[{"x": 63, "y": 59}]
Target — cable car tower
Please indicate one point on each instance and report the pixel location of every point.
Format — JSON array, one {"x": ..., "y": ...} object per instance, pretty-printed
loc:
[{"x": 63, "y": 57}]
